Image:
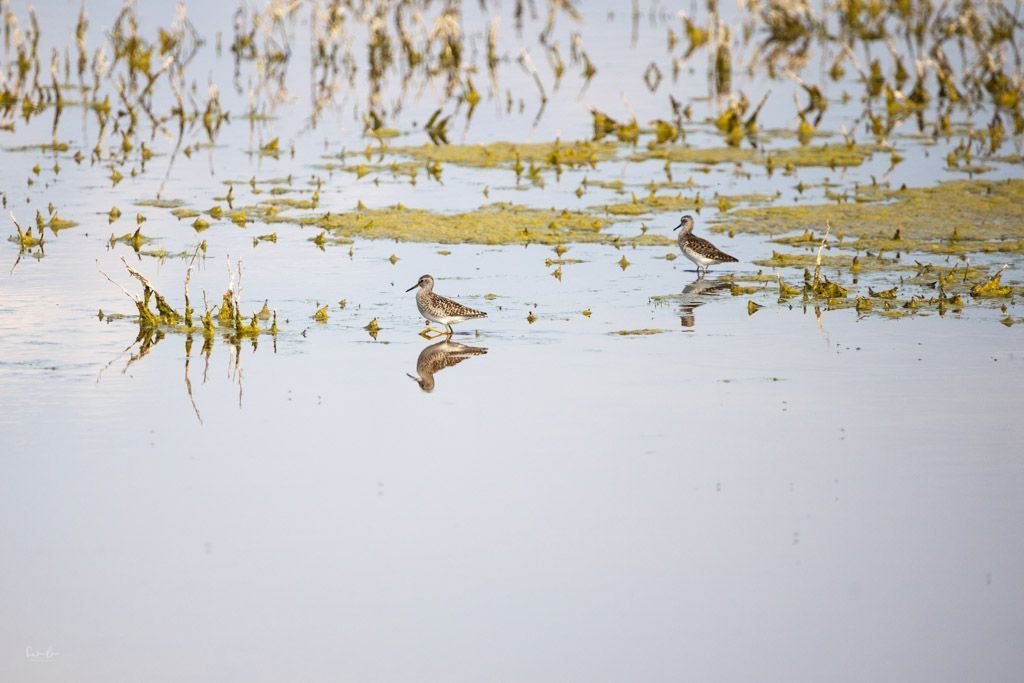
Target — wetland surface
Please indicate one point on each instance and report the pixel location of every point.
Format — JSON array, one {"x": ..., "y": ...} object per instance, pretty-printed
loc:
[{"x": 803, "y": 466}]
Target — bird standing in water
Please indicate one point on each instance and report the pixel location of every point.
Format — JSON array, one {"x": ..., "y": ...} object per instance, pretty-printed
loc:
[
  {"x": 438, "y": 309},
  {"x": 699, "y": 250}
]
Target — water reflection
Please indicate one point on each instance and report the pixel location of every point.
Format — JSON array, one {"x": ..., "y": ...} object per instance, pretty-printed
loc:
[
  {"x": 437, "y": 357},
  {"x": 695, "y": 295}
]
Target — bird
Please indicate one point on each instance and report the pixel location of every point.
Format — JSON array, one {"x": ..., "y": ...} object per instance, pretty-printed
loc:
[
  {"x": 438, "y": 309},
  {"x": 699, "y": 250},
  {"x": 437, "y": 357}
]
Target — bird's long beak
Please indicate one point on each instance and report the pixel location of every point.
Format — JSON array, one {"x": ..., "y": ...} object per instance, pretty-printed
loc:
[
  {"x": 413, "y": 287},
  {"x": 678, "y": 226}
]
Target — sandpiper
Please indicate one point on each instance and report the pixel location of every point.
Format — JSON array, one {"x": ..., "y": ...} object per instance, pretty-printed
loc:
[
  {"x": 699, "y": 250},
  {"x": 436, "y": 308},
  {"x": 439, "y": 356}
]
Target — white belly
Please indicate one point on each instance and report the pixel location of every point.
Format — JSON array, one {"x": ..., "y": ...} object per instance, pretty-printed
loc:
[
  {"x": 440, "y": 319},
  {"x": 702, "y": 261}
]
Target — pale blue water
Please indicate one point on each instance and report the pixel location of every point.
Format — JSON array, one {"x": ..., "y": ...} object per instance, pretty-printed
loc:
[{"x": 766, "y": 497}]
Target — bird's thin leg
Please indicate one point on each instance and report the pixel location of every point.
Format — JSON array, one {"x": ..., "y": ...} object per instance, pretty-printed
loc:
[{"x": 450, "y": 330}]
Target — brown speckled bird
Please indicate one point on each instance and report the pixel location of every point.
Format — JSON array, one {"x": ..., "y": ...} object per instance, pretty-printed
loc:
[
  {"x": 699, "y": 250},
  {"x": 438, "y": 309}
]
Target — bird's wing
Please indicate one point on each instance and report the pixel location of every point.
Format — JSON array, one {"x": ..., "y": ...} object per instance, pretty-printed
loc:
[
  {"x": 705, "y": 248},
  {"x": 454, "y": 308}
]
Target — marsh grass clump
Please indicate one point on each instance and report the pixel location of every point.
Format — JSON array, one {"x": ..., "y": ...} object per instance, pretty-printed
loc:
[
  {"x": 920, "y": 288},
  {"x": 992, "y": 287},
  {"x": 156, "y": 317}
]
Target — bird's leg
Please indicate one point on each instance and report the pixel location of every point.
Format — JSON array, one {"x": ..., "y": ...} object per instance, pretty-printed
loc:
[
  {"x": 431, "y": 333},
  {"x": 449, "y": 331}
]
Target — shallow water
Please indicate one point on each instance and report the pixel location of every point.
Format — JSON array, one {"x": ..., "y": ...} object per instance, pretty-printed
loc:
[{"x": 793, "y": 494}]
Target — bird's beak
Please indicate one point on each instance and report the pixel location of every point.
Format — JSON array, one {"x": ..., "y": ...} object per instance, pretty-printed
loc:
[
  {"x": 678, "y": 226},
  {"x": 413, "y": 287}
]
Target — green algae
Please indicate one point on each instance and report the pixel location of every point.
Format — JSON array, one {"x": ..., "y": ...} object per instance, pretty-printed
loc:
[
  {"x": 655, "y": 203},
  {"x": 163, "y": 254},
  {"x": 494, "y": 154},
  {"x": 133, "y": 239},
  {"x": 290, "y": 202},
  {"x": 636, "y": 333},
  {"x": 808, "y": 260},
  {"x": 43, "y": 147},
  {"x": 57, "y": 223},
  {"x": 161, "y": 203},
  {"x": 498, "y": 223},
  {"x": 617, "y": 185},
  {"x": 828, "y": 156},
  {"x": 963, "y": 216},
  {"x": 396, "y": 169},
  {"x": 805, "y": 239}
]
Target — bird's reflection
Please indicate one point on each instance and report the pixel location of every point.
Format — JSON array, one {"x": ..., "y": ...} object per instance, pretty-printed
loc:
[
  {"x": 437, "y": 357},
  {"x": 696, "y": 294}
]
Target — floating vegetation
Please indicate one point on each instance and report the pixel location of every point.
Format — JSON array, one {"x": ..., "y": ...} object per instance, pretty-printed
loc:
[
  {"x": 498, "y": 223},
  {"x": 956, "y": 217},
  {"x": 506, "y": 154},
  {"x": 992, "y": 287},
  {"x": 913, "y": 79},
  {"x": 636, "y": 333},
  {"x": 808, "y": 260},
  {"x": 658, "y": 203},
  {"x": 827, "y": 156},
  {"x": 161, "y": 203},
  {"x": 133, "y": 239}
]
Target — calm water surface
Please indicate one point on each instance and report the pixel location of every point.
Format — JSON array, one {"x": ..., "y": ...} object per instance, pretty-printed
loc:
[{"x": 777, "y": 496}]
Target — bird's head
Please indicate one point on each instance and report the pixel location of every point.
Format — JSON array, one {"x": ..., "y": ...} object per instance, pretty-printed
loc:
[
  {"x": 425, "y": 281},
  {"x": 686, "y": 223}
]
